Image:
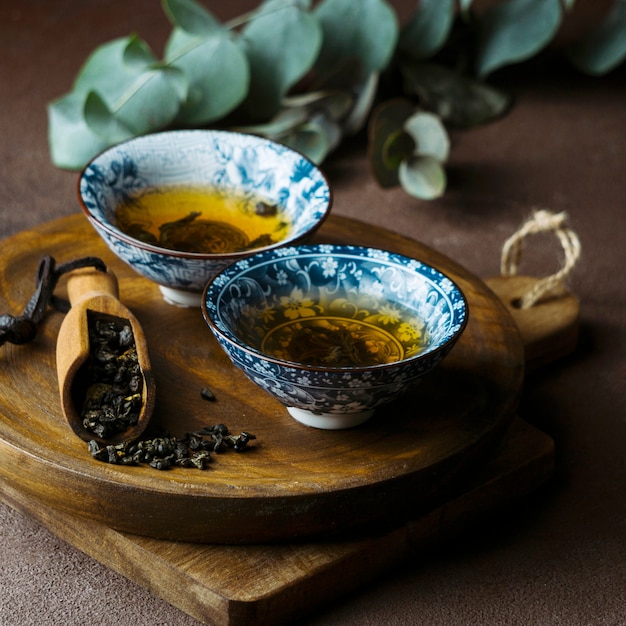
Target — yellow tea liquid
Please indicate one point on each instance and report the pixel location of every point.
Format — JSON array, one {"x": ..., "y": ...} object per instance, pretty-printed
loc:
[
  {"x": 332, "y": 341},
  {"x": 201, "y": 219}
]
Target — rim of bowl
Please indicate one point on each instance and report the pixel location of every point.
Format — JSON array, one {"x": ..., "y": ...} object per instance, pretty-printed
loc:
[
  {"x": 119, "y": 234},
  {"x": 318, "y": 368}
]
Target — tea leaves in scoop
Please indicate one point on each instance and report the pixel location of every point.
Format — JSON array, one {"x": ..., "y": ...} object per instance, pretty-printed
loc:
[
  {"x": 112, "y": 378},
  {"x": 201, "y": 219}
]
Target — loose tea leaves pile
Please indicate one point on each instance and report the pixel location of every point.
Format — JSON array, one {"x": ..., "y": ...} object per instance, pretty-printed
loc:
[
  {"x": 113, "y": 397},
  {"x": 193, "y": 450}
]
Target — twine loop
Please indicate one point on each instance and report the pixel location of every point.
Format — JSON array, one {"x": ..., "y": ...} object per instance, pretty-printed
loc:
[{"x": 541, "y": 221}]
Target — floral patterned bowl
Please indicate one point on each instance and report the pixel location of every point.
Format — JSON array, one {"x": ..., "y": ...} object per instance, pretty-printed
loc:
[
  {"x": 226, "y": 162},
  {"x": 333, "y": 332}
]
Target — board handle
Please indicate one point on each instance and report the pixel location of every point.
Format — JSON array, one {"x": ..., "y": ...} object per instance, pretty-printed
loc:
[
  {"x": 546, "y": 313},
  {"x": 549, "y": 329}
]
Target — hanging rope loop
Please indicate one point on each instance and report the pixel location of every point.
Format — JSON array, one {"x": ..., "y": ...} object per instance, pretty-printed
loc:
[{"x": 541, "y": 221}]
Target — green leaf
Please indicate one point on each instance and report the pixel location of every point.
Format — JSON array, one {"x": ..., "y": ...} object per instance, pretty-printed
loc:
[
  {"x": 388, "y": 142},
  {"x": 429, "y": 135},
  {"x": 71, "y": 142},
  {"x": 367, "y": 30},
  {"x": 365, "y": 98},
  {"x": 113, "y": 67},
  {"x": 102, "y": 121},
  {"x": 152, "y": 101},
  {"x": 604, "y": 48},
  {"x": 191, "y": 17},
  {"x": 285, "y": 121},
  {"x": 334, "y": 104},
  {"x": 281, "y": 43},
  {"x": 347, "y": 77},
  {"x": 459, "y": 100},
  {"x": 140, "y": 93},
  {"x": 315, "y": 139},
  {"x": 217, "y": 70},
  {"x": 515, "y": 30},
  {"x": 428, "y": 28},
  {"x": 308, "y": 122},
  {"x": 136, "y": 55},
  {"x": 422, "y": 177}
]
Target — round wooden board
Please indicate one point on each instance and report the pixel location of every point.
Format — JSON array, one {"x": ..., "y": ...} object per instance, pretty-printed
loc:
[{"x": 295, "y": 481}]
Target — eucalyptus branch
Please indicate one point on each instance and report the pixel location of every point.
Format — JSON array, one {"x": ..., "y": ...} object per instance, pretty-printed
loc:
[{"x": 250, "y": 68}]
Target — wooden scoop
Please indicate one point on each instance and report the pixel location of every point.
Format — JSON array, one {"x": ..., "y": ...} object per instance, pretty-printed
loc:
[{"x": 94, "y": 295}]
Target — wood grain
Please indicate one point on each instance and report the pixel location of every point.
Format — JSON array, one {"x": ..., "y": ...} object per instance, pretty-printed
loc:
[
  {"x": 269, "y": 585},
  {"x": 296, "y": 482},
  {"x": 549, "y": 329}
]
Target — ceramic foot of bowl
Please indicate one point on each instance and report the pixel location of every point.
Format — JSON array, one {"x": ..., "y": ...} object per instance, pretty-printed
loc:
[
  {"x": 179, "y": 297},
  {"x": 329, "y": 421}
]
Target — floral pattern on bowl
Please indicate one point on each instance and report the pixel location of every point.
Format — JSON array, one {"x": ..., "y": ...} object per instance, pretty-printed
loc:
[
  {"x": 218, "y": 159},
  {"x": 333, "y": 332}
]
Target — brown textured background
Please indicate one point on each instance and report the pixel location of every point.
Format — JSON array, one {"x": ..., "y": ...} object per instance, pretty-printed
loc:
[{"x": 559, "y": 558}]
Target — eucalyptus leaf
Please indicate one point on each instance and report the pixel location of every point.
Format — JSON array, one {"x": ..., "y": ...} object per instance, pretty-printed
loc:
[
  {"x": 113, "y": 67},
  {"x": 428, "y": 28},
  {"x": 139, "y": 92},
  {"x": 152, "y": 101},
  {"x": 331, "y": 129},
  {"x": 217, "y": 70},
  {"x": 388, "y": 142},
  {"x": 281, "y": 43},
  {"x": 365, "y": 98},
  {"x": 367, "y": 30},
  {"x": 335, "y": 104},
  {"x": 102, "y": 121},
  {"x": 604, "y": 48},
  {"x": 459, "y": 100},
  {"x": 71, "y": 142},
  {"x": 515, "y": 30},
  {"x": 422, "y": 177},
  {"x": 347, "y": 76},
  {"x": 429, "y": 134},
  {"x": 315, "y": 139},
  {"x": 191, "y": 17},
  {"x": 285, "y": 121}
]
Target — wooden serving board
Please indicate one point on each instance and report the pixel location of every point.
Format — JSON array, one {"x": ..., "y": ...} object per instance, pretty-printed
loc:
[
  {"x": 295, "y": 482},
  {"x": 270, "y": 585}
]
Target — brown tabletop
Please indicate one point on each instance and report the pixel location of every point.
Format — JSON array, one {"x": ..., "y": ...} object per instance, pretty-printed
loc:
[{"x": 560, "y": 556}]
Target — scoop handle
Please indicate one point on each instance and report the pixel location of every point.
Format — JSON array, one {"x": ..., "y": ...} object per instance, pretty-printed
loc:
[{"x": 86, "y": 283}]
